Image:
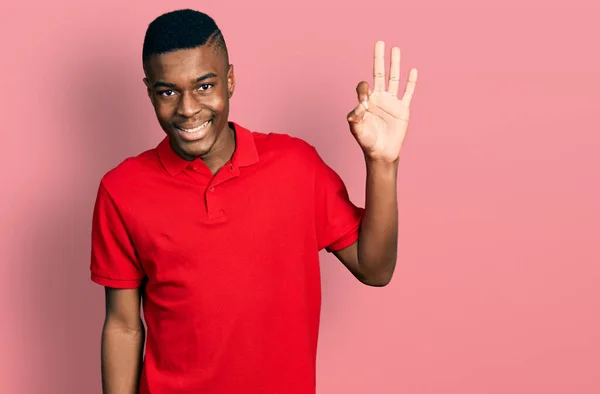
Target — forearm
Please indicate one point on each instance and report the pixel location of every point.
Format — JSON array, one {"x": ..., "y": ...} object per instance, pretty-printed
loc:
[
  {"x": 122, "y": 353},
  {"x": 378, "y": 240}
]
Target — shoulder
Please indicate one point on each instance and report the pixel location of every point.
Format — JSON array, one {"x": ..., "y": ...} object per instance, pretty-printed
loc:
[
  {"x": 294, "y": 156},
  {"x": 280, "y": 146},
  {"x": 130, "y": 171}
]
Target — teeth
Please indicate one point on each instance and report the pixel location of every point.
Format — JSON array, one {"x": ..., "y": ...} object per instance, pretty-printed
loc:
[{"x": 195, "y": 130}]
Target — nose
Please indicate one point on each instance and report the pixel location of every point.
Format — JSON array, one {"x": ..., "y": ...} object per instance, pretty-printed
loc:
[{"x": 188, "y": 105}]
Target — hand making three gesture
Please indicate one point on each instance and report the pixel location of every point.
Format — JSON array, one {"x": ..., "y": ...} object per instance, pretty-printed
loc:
[{"x": 380, "y": 120}]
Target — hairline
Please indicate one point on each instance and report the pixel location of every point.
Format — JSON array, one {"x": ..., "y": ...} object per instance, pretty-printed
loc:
[{"x": 210, "y": 43}]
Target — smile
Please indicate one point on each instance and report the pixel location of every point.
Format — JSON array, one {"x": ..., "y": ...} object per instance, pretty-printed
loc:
[{"x": 195, "y": 129}]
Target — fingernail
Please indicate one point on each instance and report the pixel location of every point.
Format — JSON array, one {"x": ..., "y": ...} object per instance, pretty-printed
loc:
[{"x": 365, "y": 103}]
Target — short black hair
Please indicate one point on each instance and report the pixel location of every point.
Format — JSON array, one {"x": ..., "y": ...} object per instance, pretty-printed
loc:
[{"x": 181, "y": 29}]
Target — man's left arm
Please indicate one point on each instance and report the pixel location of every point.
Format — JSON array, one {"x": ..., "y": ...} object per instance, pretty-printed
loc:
[
  {"x": 379, "y": 123},
  {"x": 372, "y": 258}
]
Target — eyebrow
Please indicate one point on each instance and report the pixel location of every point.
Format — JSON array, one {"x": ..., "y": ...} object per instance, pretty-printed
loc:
[{"x": 161, "y": 84}]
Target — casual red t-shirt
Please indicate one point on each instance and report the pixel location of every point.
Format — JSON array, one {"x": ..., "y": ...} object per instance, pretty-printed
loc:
[{"x": 228, "y": 263}]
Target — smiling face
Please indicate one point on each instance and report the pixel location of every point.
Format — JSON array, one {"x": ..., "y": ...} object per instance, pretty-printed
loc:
[{"x": 190, "y": 91}]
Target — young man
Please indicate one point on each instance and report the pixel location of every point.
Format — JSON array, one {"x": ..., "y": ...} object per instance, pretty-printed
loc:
[{"x": 217, "y": 230}]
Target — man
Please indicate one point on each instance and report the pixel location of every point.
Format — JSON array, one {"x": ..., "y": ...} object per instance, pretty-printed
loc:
[{"x": 217, "y": 230}]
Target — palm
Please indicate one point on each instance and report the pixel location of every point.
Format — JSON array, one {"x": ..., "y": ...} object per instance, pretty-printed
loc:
[{"x": 380, "y": 125}]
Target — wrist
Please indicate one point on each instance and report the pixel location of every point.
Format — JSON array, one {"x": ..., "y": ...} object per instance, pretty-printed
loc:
[{"x": 381, "y": 165}]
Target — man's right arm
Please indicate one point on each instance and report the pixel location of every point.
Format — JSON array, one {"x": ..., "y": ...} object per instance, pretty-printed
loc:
[{"x": 123, "y": 337}]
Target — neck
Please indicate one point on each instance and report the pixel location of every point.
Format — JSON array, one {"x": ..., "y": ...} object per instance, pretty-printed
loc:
[{"x": 222, "y": 150}]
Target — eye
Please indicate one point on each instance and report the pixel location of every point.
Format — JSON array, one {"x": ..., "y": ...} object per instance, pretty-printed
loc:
[
  {"x": 167, "y": 93},
  {"x": 205, "y": 86}
]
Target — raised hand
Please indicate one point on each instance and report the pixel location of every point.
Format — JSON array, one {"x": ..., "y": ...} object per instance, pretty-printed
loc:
[{"x": 380, "y": 120}]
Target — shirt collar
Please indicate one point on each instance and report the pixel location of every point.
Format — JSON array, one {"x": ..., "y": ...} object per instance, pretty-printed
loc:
[{"x": 245, "y": 153}]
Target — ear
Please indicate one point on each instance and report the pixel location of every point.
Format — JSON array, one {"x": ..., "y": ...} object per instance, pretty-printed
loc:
[
  {"x": 230, "y": 81},
  {"x": 149, "y": 89}
]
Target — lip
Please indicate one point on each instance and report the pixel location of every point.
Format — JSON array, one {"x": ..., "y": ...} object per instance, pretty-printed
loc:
[
  {"x": 190, "y": 127},
  {"x": 193, "y": 136}
]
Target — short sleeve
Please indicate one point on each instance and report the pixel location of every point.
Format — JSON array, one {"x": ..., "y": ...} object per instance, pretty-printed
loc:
[
  {"x": 337, "y": 218},
  {"x": 114, "y": 261}
]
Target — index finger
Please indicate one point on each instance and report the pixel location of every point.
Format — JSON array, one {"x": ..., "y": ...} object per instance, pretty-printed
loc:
[{"x": 379, "y": 67}]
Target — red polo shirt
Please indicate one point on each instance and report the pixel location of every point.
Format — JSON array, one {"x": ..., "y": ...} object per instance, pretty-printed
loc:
[{"x": 230, "y": 262}]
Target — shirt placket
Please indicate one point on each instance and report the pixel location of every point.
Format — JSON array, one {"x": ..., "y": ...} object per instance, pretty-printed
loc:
[{"x": 215, "y": 207}]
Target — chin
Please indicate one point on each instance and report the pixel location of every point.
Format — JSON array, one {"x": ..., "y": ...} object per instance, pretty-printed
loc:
[{"x": 197, "y": 148}]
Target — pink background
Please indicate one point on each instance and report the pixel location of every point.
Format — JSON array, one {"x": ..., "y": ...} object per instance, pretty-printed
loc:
[{"x": 497, "y": 288}]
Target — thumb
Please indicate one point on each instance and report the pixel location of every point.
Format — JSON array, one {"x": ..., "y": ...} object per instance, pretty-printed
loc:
[{"x": 357, "y": 114}]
